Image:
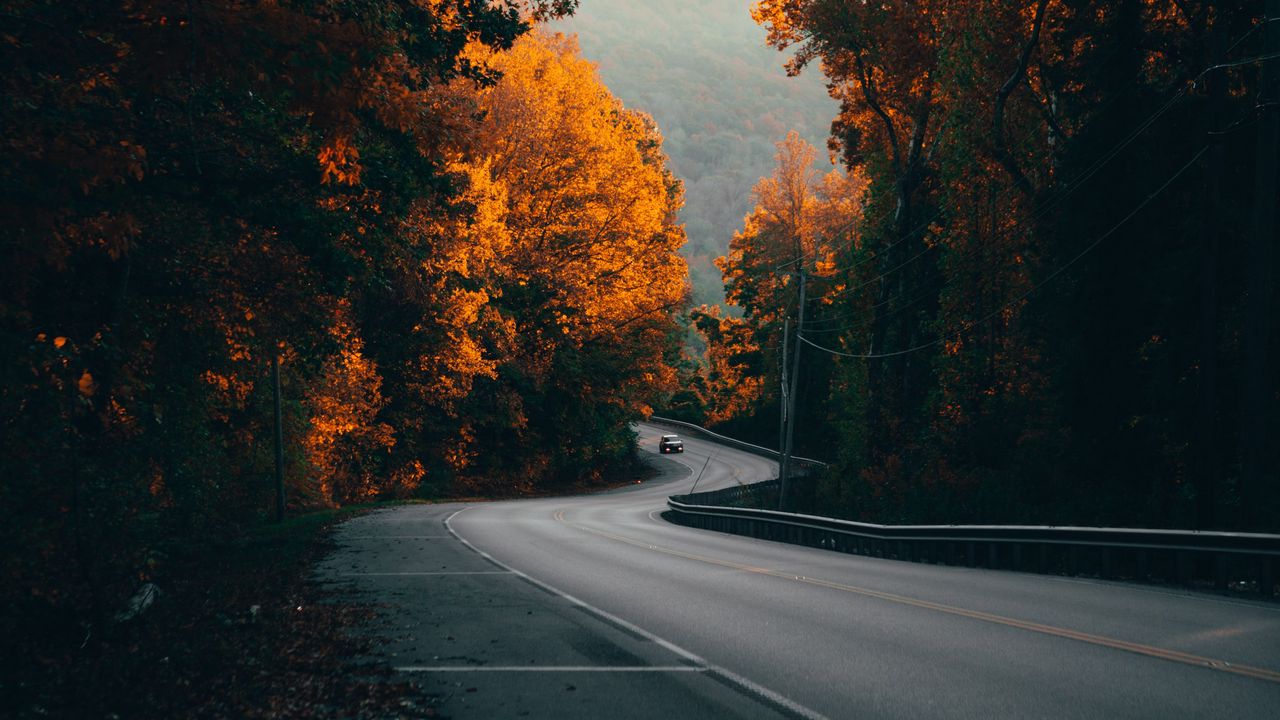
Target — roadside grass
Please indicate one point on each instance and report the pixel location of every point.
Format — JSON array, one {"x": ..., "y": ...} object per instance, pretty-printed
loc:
[{"x": 238, "y": 631}]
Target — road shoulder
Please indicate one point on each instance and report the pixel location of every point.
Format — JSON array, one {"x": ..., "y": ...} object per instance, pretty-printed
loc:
[{"x": 485, "y": 642}]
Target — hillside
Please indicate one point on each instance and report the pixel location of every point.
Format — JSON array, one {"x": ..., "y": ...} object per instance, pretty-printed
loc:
[{"x": 721, "y": 99}]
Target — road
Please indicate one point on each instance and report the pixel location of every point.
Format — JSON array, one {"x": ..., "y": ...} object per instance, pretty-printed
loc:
[{"x": 819, "y": 634}]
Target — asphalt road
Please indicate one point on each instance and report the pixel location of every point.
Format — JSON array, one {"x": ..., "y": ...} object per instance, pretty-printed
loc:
[{"x": 807, "y": 632}]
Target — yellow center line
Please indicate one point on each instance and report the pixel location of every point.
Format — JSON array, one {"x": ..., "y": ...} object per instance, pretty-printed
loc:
[{"x": 1100, "y": 640}]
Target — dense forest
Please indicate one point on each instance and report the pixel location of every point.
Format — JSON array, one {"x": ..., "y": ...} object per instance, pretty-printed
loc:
[
  {"x": 1052, "y": 299},
  {"x": 721, "y": 97},
  {"x": 458, "y": 244}
]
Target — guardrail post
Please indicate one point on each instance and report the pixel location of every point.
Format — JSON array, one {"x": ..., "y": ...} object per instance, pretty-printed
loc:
[
  {"x": 1220, "y": 567},
  {"x": 1017, "y": 556},
  {"x": 1042, "y": 560},
  {"x": 993, "y": 556},
  {"x": 1106, "y": 563},
  {"x": 1144, "y": 564},
  {"x": 1267, "y": 576},
  {"x": 1181, "y": 573}
]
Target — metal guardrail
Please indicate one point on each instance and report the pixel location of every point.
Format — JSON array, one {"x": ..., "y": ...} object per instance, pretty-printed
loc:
[
  {"x": 1184, "y": 557},
  {"x": 761, "y": 495},
  {"x": 731, "y": 442}
]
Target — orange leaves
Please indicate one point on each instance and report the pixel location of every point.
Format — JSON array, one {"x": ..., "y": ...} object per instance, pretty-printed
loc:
[
  {"x": 574, "y": 183},
  {"x": 345, "y": 436},
  {"x": 86, "y": 385},
  {"x": 339, "y": 161}
]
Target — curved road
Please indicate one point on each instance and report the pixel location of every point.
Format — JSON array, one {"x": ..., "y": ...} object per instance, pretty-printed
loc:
[{"x": 847, "y": 636}]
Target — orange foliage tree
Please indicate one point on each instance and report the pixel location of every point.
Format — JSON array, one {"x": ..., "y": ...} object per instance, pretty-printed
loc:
[
  {"x": 800, "y": 221},
  {"x": 191, "y": 188},
  {"x": 584, "y": 276}
]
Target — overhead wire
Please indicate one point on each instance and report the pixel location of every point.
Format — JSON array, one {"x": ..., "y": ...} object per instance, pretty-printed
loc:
[
  {"x": 1059, "y": 197},
  {"x": 1021, "y": 296}
]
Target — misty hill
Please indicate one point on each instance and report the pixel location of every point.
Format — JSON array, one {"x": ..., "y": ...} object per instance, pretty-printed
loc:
[{"x": 721, "y": 99}]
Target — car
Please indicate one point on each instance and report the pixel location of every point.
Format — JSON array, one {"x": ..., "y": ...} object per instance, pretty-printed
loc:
[{"x": 670, "y": 443}]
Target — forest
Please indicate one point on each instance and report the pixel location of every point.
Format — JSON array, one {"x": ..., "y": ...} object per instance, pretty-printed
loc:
[
  {"x": 1041, "y": 287},
  {"x": 1038, "y": 286},
  {"x": 458, "y": 245}
]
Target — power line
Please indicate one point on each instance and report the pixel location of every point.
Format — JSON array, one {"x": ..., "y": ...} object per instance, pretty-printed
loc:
[
  {"x": 1044, "y": 209},
  {"x": 1072, "y": 186},
  {"x": 1006, "y": 305}
]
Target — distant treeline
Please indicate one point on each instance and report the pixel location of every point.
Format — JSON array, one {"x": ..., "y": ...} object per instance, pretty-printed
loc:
[
  {"x": 459, "y": 244},
  {"x": 1055, "y": 302}
]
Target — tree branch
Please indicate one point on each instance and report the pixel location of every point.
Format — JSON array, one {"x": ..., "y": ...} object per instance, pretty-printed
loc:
[{"x": 1001, "y": 152}]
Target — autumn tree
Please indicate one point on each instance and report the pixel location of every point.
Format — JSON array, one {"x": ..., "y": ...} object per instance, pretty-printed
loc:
[
  {"x": 587, "y": 280},
  {"x": 800, "y": 222},
  {"x": 1049, "y": 256},
  {"x": 190, "y": 189}
]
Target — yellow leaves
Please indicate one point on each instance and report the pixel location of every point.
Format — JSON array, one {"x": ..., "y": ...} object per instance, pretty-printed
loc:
[
  {"x": 339, "y": 161},
  {"x": 570, "y": 193},
  {"x": 58, "y": 342}
]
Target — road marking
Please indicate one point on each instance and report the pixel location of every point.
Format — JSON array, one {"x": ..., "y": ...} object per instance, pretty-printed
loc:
[
  {"x": 551, "y": 668},
  {"x": 443, "y": 572},
  {"x": 394, "y": 537},
  {"x": 751, "y": 688},
  {"x": 1116, "y": 644}
]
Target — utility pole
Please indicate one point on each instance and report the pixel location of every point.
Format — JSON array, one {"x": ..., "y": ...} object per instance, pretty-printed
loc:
[
  {"x": 782, "y": 379},
  {"x": 784, "y": 469},
  {"x": 1256, "y": 403},
  {"x": 275, "y": 385}
]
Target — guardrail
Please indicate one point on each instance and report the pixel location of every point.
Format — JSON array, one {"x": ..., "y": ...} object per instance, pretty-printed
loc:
[
  {"x": 761, "y": 495},
  {"x": 1183, "y": 557},
  {"x": 731, "y": 442}
]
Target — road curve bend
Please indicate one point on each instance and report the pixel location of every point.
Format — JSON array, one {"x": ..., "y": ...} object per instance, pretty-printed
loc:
[{"x": 823, "y": 634}]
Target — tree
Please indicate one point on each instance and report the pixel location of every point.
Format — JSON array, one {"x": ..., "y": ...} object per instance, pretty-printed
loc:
[
  {"x": 1037, "y": 276},
  {"x": 190, "y": 189},
  {"x": 587, "y": 280},
  {"x": 799, "y": 221}
]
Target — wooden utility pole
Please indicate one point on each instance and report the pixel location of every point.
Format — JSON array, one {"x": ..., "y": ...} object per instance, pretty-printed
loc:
[
  {"x": 782, "y": 379},
  {"x": 275, "y": 386},
  {"x": 1256, "y": 402},
  {"x": 784, "y": 468}
]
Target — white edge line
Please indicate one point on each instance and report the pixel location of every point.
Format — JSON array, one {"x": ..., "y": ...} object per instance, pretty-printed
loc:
[
  {"x": 742, "y": 682},
  {"x": 551, "y": 668},
  {"x": 393, "y": 537},
  {"x": 412, "y": 574}
]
